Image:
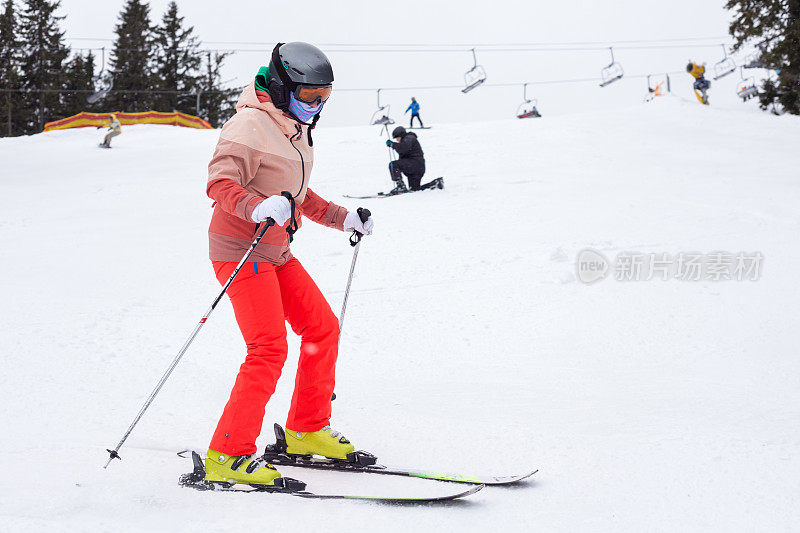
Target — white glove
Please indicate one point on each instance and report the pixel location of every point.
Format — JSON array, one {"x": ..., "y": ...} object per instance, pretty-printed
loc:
[
  {"x": 275, "y": 207},
  {"x": 353, "y": 222}
]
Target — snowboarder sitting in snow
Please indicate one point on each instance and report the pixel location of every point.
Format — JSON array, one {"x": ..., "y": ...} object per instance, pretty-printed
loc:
[
  {"x": 114, "y": 130},
  {"x": 700, "y": 82},
  {"x": 411, "y": 162},
  {"x": 414, "y": 108}
]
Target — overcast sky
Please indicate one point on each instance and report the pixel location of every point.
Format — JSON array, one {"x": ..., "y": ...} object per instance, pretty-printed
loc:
[{"x": 463, "y": 23}]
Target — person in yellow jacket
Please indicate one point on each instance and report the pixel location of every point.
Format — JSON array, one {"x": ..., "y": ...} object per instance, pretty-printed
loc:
[
  {"x": 701, "y": 84},
  {"x": 114, "y": 130}
]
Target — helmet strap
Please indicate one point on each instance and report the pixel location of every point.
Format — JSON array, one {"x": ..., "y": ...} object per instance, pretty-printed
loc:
[
  {"x": 311, "y": 127},
  {"x": 279, "y": 88}
]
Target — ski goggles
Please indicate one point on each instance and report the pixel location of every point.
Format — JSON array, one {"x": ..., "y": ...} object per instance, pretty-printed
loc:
[{"x": 313, "y": 94}]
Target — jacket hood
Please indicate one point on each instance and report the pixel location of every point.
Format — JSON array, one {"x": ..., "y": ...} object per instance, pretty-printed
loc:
[{"x": 248, "y": 98}]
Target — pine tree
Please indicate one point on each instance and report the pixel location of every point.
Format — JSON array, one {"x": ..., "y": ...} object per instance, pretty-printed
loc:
[
  {"x": 78, "y": 84},
  {"x": 178, "y": 63},
  {"x": 132, "y": 60},
  {"x": 43, "y": 55},
  {"x": 10, "y": 98},
  {"x": 217, "y": 104},
  {"x": 774, "y": 27}
]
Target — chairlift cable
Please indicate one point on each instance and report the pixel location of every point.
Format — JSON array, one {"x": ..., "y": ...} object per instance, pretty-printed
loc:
[{"x": 469, "y": 45}]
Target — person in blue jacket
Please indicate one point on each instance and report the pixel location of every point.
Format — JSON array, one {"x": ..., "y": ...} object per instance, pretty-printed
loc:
[{"x": 414, "y": 108}]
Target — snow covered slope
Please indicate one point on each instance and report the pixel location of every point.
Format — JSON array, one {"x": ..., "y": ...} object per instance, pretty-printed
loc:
[{"x": 469, "y": 345}]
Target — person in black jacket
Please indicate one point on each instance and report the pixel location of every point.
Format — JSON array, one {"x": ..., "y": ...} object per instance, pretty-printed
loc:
[{"x": 410, "y": 161}]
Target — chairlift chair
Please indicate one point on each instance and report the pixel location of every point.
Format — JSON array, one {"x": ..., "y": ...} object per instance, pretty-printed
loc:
[
  {"x": 747, "y": 88},
  {"x": 656, "y": 90},
  {"x": 381, "y": 115},
  {"x": 612, "y": 72},
  {"x": 103, "y": 91},
  {"x": 527, "y": 109},
  {"x": 725, "y": 66},
  {"x": 753, "y": 61},
  {"x": 474, "y": 76}
]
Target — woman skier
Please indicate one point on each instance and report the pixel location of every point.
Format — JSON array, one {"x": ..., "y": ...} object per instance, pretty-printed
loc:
[{"x": 264, "y": 149}]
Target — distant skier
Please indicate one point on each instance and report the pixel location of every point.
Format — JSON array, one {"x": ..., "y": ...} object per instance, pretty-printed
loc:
[
  {"x": 701, "y": 84},
  {"x": 264, "y": 149},
  {"x": 411, "y": 162},
  {"x": 114, "y": 130},
  {"x": 414, "y": 108}
]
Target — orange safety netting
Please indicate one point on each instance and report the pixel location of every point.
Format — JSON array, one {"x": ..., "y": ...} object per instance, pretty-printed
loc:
[{"x": 85, "y": 120}]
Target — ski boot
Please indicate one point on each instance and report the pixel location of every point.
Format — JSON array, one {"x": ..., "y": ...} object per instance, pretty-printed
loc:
[
  {"x": 439, "y": 183},
  {"x": 292, "y": 447},
  {"x": 221, "y": 467},
  {"x": 228, "y": 472},
  {"x": 326, "y": 442},
  {"x": 400, "y": 188}
]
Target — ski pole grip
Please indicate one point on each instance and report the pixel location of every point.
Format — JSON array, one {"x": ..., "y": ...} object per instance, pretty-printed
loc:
[{"x": 363, "y": 214}]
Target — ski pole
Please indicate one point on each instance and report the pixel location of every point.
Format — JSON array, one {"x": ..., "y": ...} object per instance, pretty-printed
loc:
[
  {"x": 114, "y": 454},
  {"x": 355, "y": 242},
  {"x": 388, "y": 148}
]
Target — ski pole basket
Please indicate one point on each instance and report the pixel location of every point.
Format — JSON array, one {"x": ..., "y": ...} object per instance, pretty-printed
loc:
[
  {"x": 612, "y": 72},
  {"x": 474, "y": 76},
  {"x": 527, "y": 109},
  {"x": 725, "y": 66}
]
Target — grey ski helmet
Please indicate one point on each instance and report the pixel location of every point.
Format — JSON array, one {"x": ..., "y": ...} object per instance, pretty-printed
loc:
[
  {"x": 399, "y": 131},
  {"x": 294, "y": 64}
]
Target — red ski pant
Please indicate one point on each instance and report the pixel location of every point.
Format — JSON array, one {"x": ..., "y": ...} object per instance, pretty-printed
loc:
[{"x": 264, "y": 297}]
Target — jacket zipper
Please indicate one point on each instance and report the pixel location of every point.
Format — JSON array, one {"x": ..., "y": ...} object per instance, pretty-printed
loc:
[{"x": 299, "y": 135}]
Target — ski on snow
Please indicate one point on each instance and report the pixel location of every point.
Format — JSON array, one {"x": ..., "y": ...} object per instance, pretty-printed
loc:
[
  {"x": 321, "y": 464},
  {"x": 361, "y": 461},
  {"x": 293, "y": 487},
  {"x": 379, "y": 195},
  {"x": 386, "y": 194}
]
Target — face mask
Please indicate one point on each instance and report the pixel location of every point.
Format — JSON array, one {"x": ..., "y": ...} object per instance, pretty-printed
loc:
[{"x": 304, "y": 112}]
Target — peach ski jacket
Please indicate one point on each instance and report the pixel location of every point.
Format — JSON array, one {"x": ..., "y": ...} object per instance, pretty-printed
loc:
[{"x": 260, "y": 152}]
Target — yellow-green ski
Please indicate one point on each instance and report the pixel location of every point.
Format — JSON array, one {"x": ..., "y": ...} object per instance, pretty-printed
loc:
[{"x": 365, "y": 462}]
